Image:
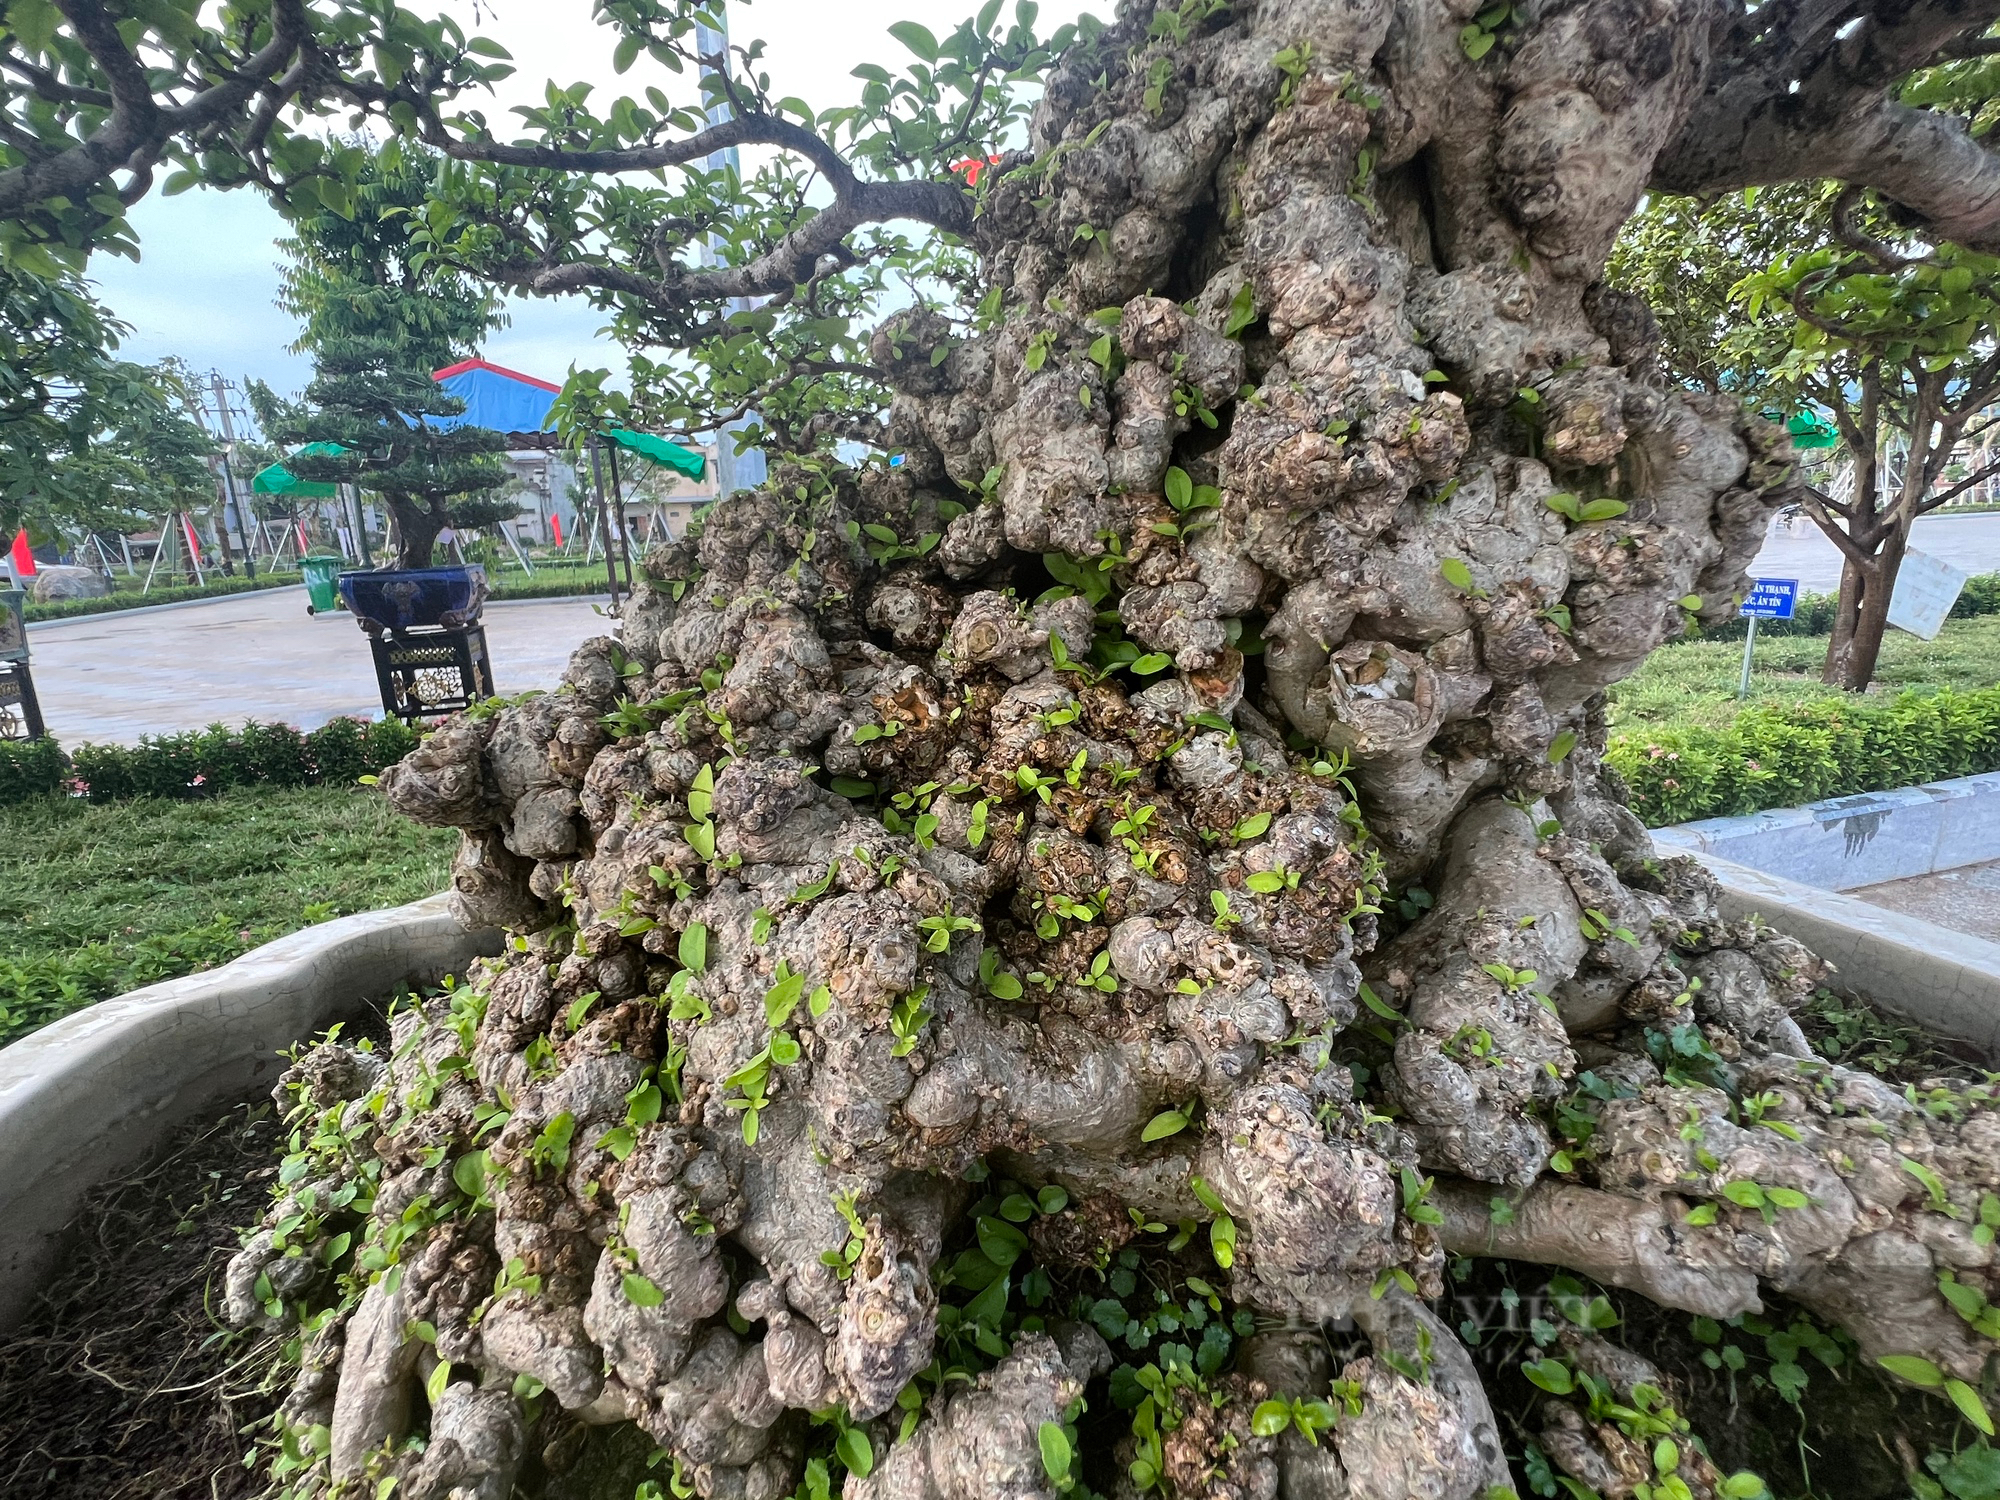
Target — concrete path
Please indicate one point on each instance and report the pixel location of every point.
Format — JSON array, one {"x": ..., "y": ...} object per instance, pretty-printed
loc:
[
  {"x": 111, "y": 678},
  {"x": 1971, "y": 543}
]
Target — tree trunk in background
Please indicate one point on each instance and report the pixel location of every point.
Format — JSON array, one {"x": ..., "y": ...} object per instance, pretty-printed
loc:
[
  {"x": 848, "y": 852},
  {"x": 417, "y": 526},
  {"x": 1862, "y": 617}
]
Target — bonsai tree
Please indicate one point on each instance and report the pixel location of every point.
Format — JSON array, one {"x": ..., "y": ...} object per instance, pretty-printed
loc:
[
  {"x": 378, "y": 320},
  {"x": 1013, "y": 948},
  {"x": 1809, "y": 297}
]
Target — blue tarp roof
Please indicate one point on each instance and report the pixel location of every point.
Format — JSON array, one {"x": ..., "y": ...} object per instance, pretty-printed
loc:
[{"x": 495, "y": 397}]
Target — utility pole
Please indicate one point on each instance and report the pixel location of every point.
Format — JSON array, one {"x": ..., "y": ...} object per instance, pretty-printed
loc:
[
  {"x": 230, "y": 504},
  {"x": 733, "y": 471}
]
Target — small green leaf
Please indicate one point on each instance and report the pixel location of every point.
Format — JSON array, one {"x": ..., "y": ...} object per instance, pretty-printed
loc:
[
  {"x": 1271, "y": 1418},
  {"x": 1001, "y": 1242},
  {"x": 468, "y": 1173},
  {"x": 1056, "y": 1452},
  {"x": 1561, "y": 745},
  {"x": 852, "y": 1445},
  {"x": 1266, "y": 882},
  {"x": 1252, "y": 826},
  {"x": 640, "y": 1292},
  {"x": 1603, "y": 510},
  {"x": 1222, "y": 1241},
  {"x": 1743, "y": 1193},
  {"x": 694, "y": 947},
  {"x": 1913, "y": 1368},
  {"x": 1966, "y": 1399},
  {"x": 441, "y": 1377},
  {"x": 1552, "y": 1375},
  {"x": 1456, "y": 573},
  {"x": 1166, "y": 1123},
  {"x": 920, "y": 41}
]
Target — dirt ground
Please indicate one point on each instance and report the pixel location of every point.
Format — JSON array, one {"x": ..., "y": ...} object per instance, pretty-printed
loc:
[{"x": 124, "y": 1384}]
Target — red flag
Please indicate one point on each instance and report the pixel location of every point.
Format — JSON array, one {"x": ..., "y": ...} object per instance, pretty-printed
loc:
[
  {"x": 555, "y": 522},
  {"x": 972, "y": 167},
  {"x": 187, "y": 529},
  {"x": 24, "y": 560}
]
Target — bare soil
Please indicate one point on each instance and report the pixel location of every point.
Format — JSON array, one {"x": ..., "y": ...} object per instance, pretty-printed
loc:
[{"x": 123, "y": 1383}]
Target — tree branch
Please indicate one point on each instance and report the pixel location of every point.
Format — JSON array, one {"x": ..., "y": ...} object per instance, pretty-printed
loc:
[
  {"x": 137, "y": 131},
  {"x": 1789, "y": 97}
]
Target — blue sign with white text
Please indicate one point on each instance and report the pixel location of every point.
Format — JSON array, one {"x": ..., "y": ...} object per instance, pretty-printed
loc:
[{"x": 1772, "y": 598}]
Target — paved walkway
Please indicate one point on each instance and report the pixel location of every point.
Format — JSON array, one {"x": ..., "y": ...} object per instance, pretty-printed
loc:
[
  {"x": 1971, "y": 543},
  {"x": 111, "y": 678}
]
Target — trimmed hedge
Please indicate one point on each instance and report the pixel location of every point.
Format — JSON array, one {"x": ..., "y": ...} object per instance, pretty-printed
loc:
[
  {"x": 1787, "y": 754},
  {"x": 1814, "y": 614},
  {"x": 203, "y": 762},
  {"x": 222, "y": 588}
]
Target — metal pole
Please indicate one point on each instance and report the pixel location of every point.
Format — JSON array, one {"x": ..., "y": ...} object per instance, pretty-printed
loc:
[
  {"x": 229, "y": 502},
  {"x": 624, "y": 530},
  {"x": 1749, "y": 644},
  {"x": 519, "y": 556},
  {"x": 597, "y": 479}
]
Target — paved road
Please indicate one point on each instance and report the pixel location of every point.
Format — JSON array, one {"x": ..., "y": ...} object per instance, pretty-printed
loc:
[
  {"x": 114, "y": 677},
  {"x": 1968, "y": 542}
]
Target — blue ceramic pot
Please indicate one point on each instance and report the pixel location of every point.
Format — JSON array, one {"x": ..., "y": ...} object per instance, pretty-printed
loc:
[{"x": 394, "y": 600}]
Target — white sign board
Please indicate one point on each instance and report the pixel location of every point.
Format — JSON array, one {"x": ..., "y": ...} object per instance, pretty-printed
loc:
[{"x": 1926, "y": 589}]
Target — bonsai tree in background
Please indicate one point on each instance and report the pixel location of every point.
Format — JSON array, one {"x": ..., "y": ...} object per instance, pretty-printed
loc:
[
  {"x": 1013, "y": 948},
  {"x": 378, "y": 318},
  {"x": 1810, "y": 297}
]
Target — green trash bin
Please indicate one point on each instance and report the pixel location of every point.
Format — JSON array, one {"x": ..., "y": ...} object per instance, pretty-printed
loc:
[{"x": 319, "y": 572}]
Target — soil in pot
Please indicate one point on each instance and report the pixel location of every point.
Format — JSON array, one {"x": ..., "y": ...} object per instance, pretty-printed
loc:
[{"x": 123, "y": 1383}]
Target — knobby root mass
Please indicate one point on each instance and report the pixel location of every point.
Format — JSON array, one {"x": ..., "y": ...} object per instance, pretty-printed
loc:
[{"x": 1140, "y": 869}]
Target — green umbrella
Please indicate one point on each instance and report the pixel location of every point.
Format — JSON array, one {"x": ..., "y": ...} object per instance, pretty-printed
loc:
[
  {"x": 659, "y": 450},
  {"x": 279, "y": 480}
]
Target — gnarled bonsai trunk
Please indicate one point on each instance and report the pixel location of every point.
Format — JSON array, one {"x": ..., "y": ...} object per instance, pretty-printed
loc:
[
  {"x": 1028, "y": 814},
  {"x": 419, "y": 519}
]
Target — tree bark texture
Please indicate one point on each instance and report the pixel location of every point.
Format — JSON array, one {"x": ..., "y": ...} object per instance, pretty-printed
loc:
[{"x": 1074, "y": 902}]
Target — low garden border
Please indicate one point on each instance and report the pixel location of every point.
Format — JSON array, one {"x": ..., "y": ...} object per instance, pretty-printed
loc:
[
  {"x": 91, "y": 1095},
  {"x": 202, "y": 762},
  {"x": 1785, "y": 755}
]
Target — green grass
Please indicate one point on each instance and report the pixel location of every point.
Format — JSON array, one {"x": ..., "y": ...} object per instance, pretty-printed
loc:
[
  {"x": 1693, "y": 686},
  {"x": 97, "y": 900}
]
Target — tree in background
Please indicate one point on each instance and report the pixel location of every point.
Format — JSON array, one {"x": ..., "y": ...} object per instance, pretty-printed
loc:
[
  {"x": 1808, "y": 296},
  {"x": 88, "y": 442},
  {"x": 379, "y": 317},
  {"x": 1151, "y": 842}
]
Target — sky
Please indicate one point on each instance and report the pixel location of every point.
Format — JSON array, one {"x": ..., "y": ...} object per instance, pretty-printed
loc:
[{"x": 204, "y": 286}]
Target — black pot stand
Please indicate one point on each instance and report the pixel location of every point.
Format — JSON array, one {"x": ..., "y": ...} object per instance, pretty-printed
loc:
[
  {"x": 423, "y": 630},
  {"x": 20, "y": 709}
]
